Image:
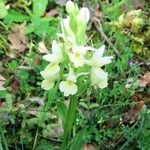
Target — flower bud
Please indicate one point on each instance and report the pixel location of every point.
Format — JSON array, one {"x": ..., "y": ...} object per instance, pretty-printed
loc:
[{"x": 71, "y": 8}]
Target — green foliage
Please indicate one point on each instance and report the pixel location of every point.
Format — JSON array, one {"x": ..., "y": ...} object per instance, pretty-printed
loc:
[
  {"x": 15, "y": 16},
  {"x": 62, "y": 111},
  {"x": 13, "y": 65},
  {"x": 25, "y": 108},
  {"x": 39, "y": 7},
  {"x": 139, "y": 134}
]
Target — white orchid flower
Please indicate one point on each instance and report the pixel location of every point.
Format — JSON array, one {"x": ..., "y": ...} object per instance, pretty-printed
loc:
[
  {"x": 56, "y": 56},
  {"x": 77, "y": 55},
  {"x": 99, "y": 77},
  {"x": 69, "y": 87},
  {"x": 48, "y": 84},
  {"x": 98, "y": 60},
  {"x": 50, "y": 71}
]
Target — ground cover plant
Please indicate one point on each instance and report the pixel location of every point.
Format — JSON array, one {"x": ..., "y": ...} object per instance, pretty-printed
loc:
[{"x": 74, "y": 75}]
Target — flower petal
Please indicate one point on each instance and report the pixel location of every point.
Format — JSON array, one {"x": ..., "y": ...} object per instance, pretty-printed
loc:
[
  {"x": 84, "y": 15},
  {"x": 50, "y": 71},
  {"x": 99, "y": 77},
  {"x": 68, "y": 89},
  {"x": 47, "y": 84},
  {"x": 50, "y": 58}
]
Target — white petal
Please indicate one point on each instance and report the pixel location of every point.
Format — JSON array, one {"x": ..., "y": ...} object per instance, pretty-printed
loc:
[
  {"x": 102, "y": 83},
  {"x": 68, "y": 89},
  {"x": 47, "y": 84},
  {"x": 50, "y": 58},
  {"x": 105, "y": 60},
  {"x": 55, "y": 47},
  {"x": 99, "y": 77},
  {"x": 99, "y": 52},
  {"x": 62, "y": 86},
  {"x": 56, "y": 50},
  {"x": 73, "y": 89},
  {"x": 50, "y": 71},
  {"x": 84, "y": 14},
  {"x": 78, "y": 61}
]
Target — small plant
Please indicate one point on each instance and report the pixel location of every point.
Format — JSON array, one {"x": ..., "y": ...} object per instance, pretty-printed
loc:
[{"x": 74, "y": 66}]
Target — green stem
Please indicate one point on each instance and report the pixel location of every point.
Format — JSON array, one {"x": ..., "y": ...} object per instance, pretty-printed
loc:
[
  {"x": 71, "y": 115},
  {"x": 3, "y": 138}
]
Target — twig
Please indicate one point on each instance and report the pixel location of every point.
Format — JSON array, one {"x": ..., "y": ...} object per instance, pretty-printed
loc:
[{"x": 99, "y": 28}]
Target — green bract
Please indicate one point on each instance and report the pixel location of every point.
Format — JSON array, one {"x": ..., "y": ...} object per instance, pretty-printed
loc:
[{"x": 72, "y": 58}]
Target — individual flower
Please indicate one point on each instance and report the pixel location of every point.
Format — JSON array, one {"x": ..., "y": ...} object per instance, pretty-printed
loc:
[
  {"x": 77, "y": 55},
  {"x": 99, "y": 77},
  {"x": 48, "y": 84},
  {"x": 51, "y": 72},
  {"x": 98, "y": 60},
  {"x": 69, "y": 86},
  {"x": 55, "y": 58}
]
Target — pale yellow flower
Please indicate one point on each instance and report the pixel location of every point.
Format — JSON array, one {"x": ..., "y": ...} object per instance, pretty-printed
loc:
[
  {"x": 48, "y": 83},
  {"x": 56, "y": 56},
  {"x": 50, "y": 71},
  {"x": 98, "y": 60},
  {"x": 77, "y": 55},
  {"x": 69, "y": 86},
  {"x": 99, "y": 77}
]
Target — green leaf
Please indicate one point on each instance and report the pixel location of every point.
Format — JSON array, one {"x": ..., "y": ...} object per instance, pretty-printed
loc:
[
  {"x": 94, "y": 105},
  {"x": 52, "y": 95},
  {"x": 13, "y": 65},
  {"x": 62, "y": 111},
  {"x": 78, "y": 140},
  {"x": 9, "y": 101},
  {"x": 39, "y": 7},
  {"x": 14, "y": 16},
  {"x": 23, "y": 74},
  {"x": 71, "y": 115},
  {"x": 84, "y": 105}
]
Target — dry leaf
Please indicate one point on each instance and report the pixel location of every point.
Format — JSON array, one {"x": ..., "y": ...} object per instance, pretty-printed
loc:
[
  {"x": 15, "y": 85},
  {"x": 52, "y": 13},
  {"x": 37, "y": 100},
  {"x": 57, "y": 130},
  {"x": 132, "y": 114},
  {"x": 88, "y": 147},
  {"x": 2, "y": 82},
  {"x": 17, "y": 38},
  {"x": 42, "y": 48},
  {"x": 145, "y": 80},
  {"x": 141, "y": 96}
]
